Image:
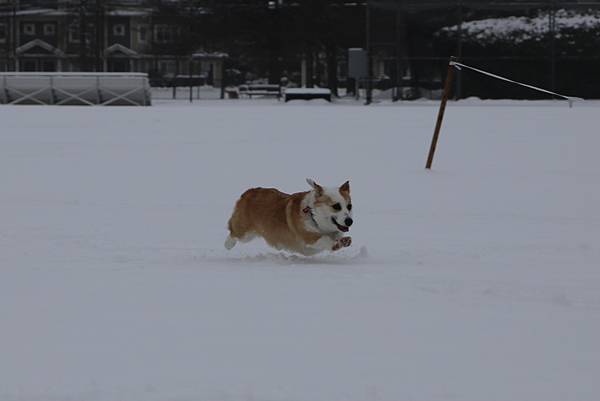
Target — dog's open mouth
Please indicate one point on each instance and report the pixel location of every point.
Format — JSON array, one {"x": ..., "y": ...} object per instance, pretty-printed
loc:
[{"x": 340, "y": 227}]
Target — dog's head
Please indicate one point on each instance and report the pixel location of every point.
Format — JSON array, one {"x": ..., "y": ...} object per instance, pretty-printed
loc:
[{"x": 332, "y": 207}]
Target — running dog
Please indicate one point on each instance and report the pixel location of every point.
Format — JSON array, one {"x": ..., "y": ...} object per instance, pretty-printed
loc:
[{"x": 304, "y": 222}]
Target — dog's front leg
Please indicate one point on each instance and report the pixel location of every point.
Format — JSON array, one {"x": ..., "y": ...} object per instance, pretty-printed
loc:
[
  {"x": 343, "y": 242},
  {"x": 325, "y": 243}
]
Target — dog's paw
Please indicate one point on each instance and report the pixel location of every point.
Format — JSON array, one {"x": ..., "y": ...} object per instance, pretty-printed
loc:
[
  {"x": 346, "y": 241},
  {"x": 342, "y": 243}
]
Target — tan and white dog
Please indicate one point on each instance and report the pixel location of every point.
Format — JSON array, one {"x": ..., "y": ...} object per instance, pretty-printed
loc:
[{"x": 304, "y": 222}]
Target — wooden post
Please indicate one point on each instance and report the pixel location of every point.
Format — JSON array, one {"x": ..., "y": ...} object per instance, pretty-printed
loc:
[{"x": 440, "y": 117}]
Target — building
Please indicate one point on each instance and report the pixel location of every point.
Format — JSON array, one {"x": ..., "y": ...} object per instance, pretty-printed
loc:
[{"x": 95, "y": 35}]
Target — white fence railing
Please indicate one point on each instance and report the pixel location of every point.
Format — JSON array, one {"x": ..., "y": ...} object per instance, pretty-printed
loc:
[{"x": 75, "y": 88}]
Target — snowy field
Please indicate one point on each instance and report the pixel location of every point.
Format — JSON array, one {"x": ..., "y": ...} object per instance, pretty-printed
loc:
[{"x": 477, "y": 281}]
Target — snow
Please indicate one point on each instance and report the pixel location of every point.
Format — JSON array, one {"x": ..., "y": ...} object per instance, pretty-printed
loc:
[
  {"x": 519, "y": 29},
  {"x": 308, "y": 91},
  {"x": 477, "y": 280}
]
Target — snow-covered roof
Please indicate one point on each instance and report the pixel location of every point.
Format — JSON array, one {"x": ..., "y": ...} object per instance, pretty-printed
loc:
[
  {"x": 203, "y": 54},
  {"x": 129, "y": 13},
  {"x": 117, "y": 47},
  {"x": 312, "y": 91},
  {"x": 39, "y": 43},
  {"x": 51, "y": 12}
]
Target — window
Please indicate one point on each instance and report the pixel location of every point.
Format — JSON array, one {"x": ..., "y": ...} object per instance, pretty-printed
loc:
[
  {"x": 29, "y": 29},
  {"x": 3, "y": 33},
  {"x": 160, "y": 33},
  {"x": 166, "y": 67},
  {"x": 29, "y": 65},
  {"x": 142, "y": 34},
  {"x": 49, "y": 29},
  {"x": 48, "y": 65},
  {"x": 164, "y": 33},
  {"x": 119, "y": 30},
  {"x": 74, "y": 34}
]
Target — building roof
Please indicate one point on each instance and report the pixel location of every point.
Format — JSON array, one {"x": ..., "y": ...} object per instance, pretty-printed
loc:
[{"x": 41, "y": 44}]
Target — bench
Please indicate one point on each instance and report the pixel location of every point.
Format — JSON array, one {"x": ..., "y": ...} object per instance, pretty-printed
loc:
[
  {"x": 307, "y": 94},
  {"x": 188, "y": 80},
  {"x": 263, "y": 90}
]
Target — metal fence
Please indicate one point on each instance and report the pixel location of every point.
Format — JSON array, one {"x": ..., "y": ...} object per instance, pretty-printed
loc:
[{"x": 552, "y": 44}]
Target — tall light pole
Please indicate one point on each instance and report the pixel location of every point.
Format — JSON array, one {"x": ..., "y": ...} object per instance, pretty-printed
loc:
[
  {"x": 459, "y": 45},
  {"x": 99, "y": 24},
  {"x": 14, "y": 38},
  {"x": 369, "y": 88},
  {"x": 552, "y": 29},
  {"x": 82, "y": 35},
  {"x": 274, "y": 40}
]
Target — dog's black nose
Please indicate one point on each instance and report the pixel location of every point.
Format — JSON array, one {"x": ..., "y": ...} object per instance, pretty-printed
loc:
[{"x": 348, "y": 222}]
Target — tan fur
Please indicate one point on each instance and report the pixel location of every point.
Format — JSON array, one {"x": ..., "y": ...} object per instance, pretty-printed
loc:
[
  {"x": 345, "y": 191},
  {"x": 323, "y": 200},
  {"x": 273, "y": 215}
]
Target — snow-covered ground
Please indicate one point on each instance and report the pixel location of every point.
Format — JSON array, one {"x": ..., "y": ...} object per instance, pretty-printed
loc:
[{"x": 479, "y": 280}]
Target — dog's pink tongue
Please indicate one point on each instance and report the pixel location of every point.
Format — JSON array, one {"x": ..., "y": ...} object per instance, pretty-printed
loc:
[{"x": 344, "y": 228}]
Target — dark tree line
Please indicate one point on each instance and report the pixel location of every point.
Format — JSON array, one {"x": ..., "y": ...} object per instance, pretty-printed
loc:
[{"x": 273, "y": 39}]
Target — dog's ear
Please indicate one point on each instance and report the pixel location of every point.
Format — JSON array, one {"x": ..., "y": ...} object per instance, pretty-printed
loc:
[
  {"x": 345, "y": 187},
  {"x": 316, "y": 187}
]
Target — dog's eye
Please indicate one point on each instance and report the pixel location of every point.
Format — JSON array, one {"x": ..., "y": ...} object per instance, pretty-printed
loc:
[
  {"x": 337, "y": 207},
  {"x": 349, "y": 206}
]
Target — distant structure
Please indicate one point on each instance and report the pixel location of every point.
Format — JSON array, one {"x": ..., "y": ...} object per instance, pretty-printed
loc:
[
  {"x": 106, "y": 36},
  {"x": 549, "y": 43}
]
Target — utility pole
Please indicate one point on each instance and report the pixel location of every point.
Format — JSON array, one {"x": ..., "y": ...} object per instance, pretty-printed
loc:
[
  {"x": 14, "y": 39},
  {"x": 6, "y": 33},
  {"x": 552, "y": 29},
  {"x": 82, "y": 35},
  {"x": 459, "y": 45},
  {"x": 369, "y": 82},
  {"x": 274, "y": 40},
  {"x": 99, "y": 35}
]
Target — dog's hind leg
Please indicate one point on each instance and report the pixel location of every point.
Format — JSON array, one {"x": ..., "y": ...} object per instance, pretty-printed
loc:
[
  {"x": 230, "y": 242},
  {"x": 239, "y": 229}
]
